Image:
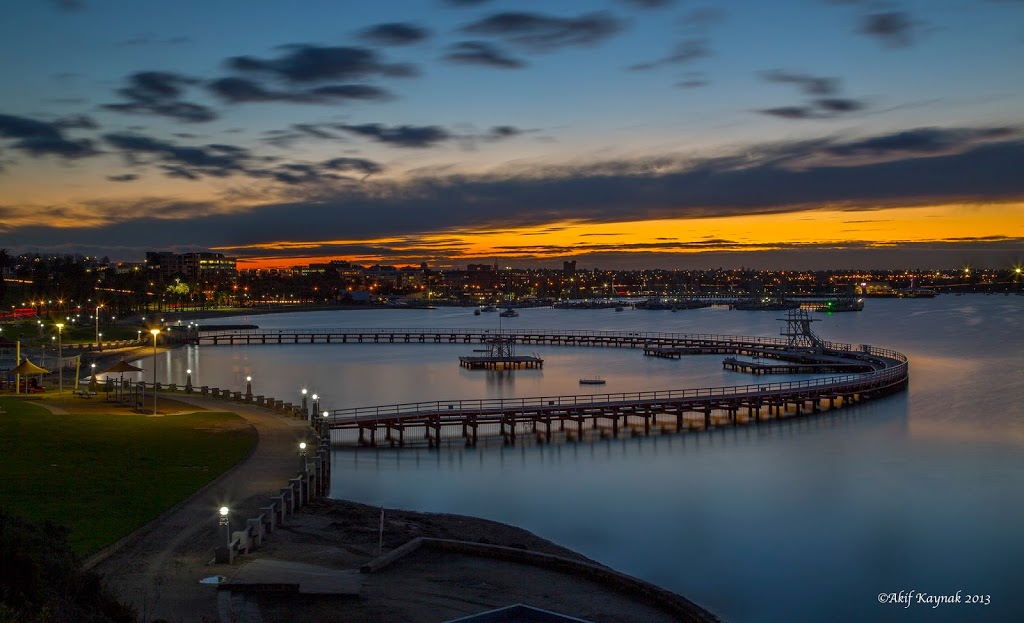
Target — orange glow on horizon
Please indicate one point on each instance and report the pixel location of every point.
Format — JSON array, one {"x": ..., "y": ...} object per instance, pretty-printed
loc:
[{"x": 828, "y": 228}]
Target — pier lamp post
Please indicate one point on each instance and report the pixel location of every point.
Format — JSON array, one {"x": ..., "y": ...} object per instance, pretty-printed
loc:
[
  {"x": 248, "y": 388},
  {"x": 325, "y": 426},
  {"x": 302, "y": 457},
  {"x": 223, "y": 551},
  {"x": 98, "y": 326},
  {"x": 155, "y": 333},
  {"x": 101, "y": 342},
  {"x": 188, "y": 381},
  {"x": 92, "y": 383},
  {"x": 60, "y": 359},
  {"x": 305, "y": 407},
  {"x": 316, "y": 407},
  {"x": 139, "y": 336}
]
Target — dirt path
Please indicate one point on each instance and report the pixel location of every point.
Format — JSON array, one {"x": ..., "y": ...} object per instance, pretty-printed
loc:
[{"x": 157, "y": 569}]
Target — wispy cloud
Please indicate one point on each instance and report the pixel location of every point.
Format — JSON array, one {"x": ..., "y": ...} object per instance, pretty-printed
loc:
[
  {"x": 481, "y": 53},
  {"x": 39, "y": 138},
  {"x": 544, "y": 33}
]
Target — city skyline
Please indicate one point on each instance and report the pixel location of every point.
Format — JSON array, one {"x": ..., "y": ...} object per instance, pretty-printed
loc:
[{"x": 624, "y": 133}]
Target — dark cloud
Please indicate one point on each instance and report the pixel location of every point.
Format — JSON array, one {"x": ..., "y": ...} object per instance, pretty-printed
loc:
[
  {"x": 127, "y": 177},
  {"x": 836, "y": 105},
  {"x": 314, "y": 130},
  {"x": 649, "y": 4},
  {"x": 462, "y": 3},
  {"x": 159, "y": 93},
  {"x": 824, "y": 102},
  {"x": 776, "y": 178},
  {"x": 790, "y": 112},
  {"x": 359, "y": 165},
  {"x": 481, "y": 53},
  {"x": 395, "y": 33},
  {"x": 811, "y": 85},
  {"x": 300, "y": 131},
  {"x": 241, "y": 90},
  {"x": 188, "y": 162},
  {"x": 544, "y": 33},
  {"x": 39, "y": 138},
  {"x": 893, "y": 28},
  {"x": 921, "y": 141},
  {"x": 311, "y": 63},
  {"x": 499, "y": 132},
  {"x": 77, "y": 122},
  {"x": 686, "y": 51},
  {"x": 402, "y": 135}
]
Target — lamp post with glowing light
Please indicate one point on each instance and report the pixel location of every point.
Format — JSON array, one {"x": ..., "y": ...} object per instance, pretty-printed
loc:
[
  {"x": 248, "y": 389},
  {"x": 188, "y": 381},
  {"x": 60, "y": 359},
  {"x": 316, "y": 408},
  {"x": 305, "y": 406},
  {"x": 302, "y": 457},
  {"x": 325, "y": 426},
  {"x": 224, "y": 535},
  {"x": 155, "y": 333},
  {"x": 98, "y": 326}
]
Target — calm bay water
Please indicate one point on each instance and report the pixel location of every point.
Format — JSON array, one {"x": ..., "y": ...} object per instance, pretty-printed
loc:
[{"x": 805, "y": 520}]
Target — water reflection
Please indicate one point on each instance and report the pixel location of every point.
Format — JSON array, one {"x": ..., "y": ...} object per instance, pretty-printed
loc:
[{"x": 919, "y": 490}]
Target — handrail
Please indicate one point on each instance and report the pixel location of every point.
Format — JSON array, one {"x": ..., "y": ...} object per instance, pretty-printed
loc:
[
  {"x": 533, "y": 333},
  {"x": 886, "y": 375}
]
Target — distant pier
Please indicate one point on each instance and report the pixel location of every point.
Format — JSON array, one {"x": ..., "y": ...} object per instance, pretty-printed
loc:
[
  {"x": 498, "y": 363},
  {"x": 864, "y": 373}
]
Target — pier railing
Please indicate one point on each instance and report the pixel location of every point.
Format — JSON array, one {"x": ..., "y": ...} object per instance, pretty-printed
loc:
[
  {"x": 225, "y": 336},
  {"x": 895, "y": 371}
]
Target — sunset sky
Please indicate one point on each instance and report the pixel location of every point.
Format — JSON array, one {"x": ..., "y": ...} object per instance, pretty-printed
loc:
[{"x": 620, "y": 133}]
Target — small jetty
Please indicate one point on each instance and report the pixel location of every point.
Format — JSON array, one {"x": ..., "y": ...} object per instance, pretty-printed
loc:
[
  {"x": 501, "y": 355},
  {"x": 756, "y": 367}
]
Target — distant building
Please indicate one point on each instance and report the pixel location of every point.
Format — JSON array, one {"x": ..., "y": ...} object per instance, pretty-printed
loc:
[{"x": 194, "y": 266}]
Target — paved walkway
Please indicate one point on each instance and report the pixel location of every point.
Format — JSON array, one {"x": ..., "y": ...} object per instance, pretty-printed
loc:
[{"x": 157, "y": 569}]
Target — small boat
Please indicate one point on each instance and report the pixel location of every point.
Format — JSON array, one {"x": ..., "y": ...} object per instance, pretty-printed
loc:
[
  {"x": 509, "y": 313},
  {"x": 476, "y": 312},
  {"x": 593, "y": 381},
  {"x": 489, "y": 308}
]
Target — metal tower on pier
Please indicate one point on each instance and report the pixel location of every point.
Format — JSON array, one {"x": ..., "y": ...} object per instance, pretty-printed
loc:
[{"x": 798, "y": 329}]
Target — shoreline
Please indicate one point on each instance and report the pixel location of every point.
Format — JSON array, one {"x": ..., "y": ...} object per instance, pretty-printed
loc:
[
  {"x": 342, "y": 534},
  {"x": 476, "y": 565}
]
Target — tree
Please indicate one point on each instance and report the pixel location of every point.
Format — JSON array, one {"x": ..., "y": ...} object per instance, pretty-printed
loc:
[{"x": 41, "y": 578}]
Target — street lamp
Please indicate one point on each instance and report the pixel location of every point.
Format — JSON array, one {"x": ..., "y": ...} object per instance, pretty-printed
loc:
[
  {"x": 316, "y": 406},
  {"x": 155, "y": 333},
  {"x": 98, "y": 325},
  {"x": 302, "y": 457},
  {"x": 305, "y": 408},
  {"x": 60, "y": 358},
  {"x": 224, "y": 540},
  {"x": 248, "y": 388}
]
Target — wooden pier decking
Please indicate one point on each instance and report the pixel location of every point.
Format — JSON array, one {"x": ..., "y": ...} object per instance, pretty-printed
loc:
[
  {"x": 498, "y": 363},
  {"x": 756, "y": 367},
  {"x": 594, "y": 416}
]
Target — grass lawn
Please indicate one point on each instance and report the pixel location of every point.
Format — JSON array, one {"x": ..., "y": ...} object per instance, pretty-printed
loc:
[{"x": 105, "y": 475}]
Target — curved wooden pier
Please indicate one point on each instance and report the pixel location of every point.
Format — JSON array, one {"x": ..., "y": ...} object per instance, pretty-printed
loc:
[{"x": 545, "y": 419}]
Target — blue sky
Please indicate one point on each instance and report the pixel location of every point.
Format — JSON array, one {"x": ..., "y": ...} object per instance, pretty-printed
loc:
[{"x": 406, "y": 131}]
